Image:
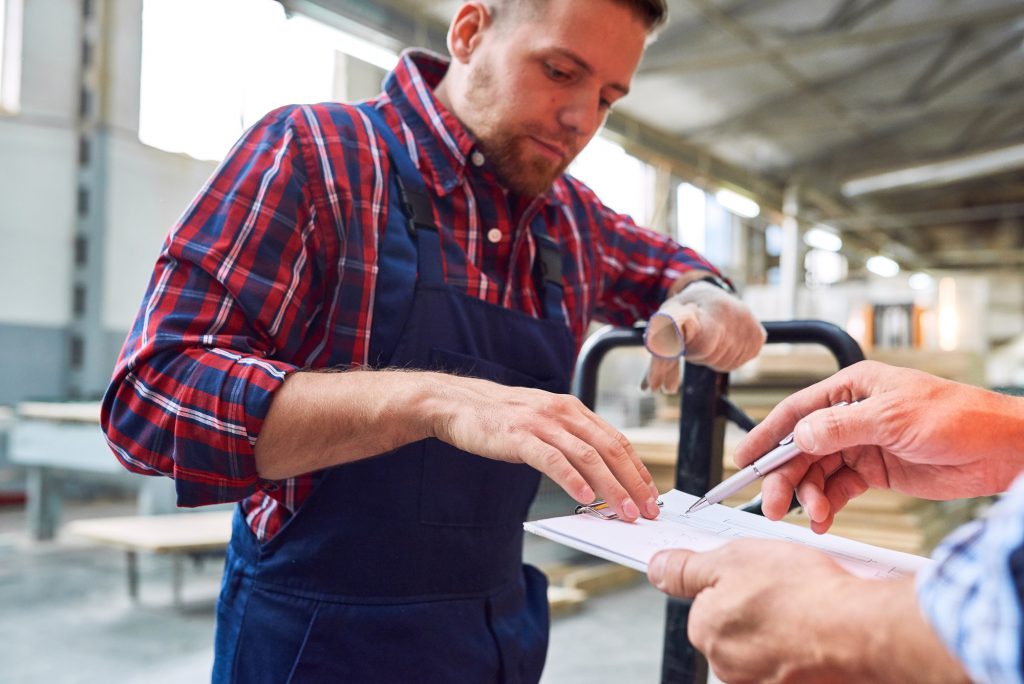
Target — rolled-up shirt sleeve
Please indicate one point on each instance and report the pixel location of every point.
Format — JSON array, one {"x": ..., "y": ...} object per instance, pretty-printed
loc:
[
  {"x": 973, "y": 594},
  {"x": 233, "y": 283}
]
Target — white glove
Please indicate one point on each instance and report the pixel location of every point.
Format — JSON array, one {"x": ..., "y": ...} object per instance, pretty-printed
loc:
[{"x": 707, "y": 325}]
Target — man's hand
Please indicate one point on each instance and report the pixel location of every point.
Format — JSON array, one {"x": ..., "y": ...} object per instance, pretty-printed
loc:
[
  {"x": 775, "y": 612},
  {"x": 910, "y": 431},
  {"x": 554, "y": 433},
  {"x": 714, "y": 327}
]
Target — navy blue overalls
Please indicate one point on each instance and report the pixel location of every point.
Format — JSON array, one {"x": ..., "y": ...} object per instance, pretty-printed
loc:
[{"x": 407, "y": 567}]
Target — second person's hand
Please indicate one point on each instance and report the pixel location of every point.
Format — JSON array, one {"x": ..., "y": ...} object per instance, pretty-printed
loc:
[
  {"x": 774, "y": 612},
  {"x": 910, "y": 431}
]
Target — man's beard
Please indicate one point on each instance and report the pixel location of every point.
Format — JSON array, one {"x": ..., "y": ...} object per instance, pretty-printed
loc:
[{"x": 521, "y": 171}]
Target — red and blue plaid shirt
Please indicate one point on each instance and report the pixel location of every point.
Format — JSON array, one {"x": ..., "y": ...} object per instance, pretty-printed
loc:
[{"x": 274, "y": 268}]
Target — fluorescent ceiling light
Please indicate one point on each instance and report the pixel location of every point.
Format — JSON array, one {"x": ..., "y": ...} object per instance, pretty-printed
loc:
[
  {"x": 920, "y": 281},
  {"x": 975, "y": 165},
  {"x": 737, "y": 203},
  {"x": 883, "y": 266},
  {"x": 822, "y": 238}
]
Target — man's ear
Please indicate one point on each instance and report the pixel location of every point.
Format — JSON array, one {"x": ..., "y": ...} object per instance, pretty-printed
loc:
[{"x": 467, "y": 29}]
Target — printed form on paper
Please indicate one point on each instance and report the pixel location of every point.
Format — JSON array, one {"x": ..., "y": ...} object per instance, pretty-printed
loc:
[{"x": 633, "y": 544}]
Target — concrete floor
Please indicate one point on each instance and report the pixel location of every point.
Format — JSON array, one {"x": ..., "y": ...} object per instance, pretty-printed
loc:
[{"x": 66, "y": 617}]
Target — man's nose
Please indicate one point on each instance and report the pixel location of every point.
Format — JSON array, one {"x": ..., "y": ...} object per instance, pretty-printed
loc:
[{"x": 581, "y": 115}]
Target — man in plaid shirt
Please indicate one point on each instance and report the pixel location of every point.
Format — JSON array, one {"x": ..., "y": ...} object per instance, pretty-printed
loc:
[
  {"x": 774, "y": 612},
  {"x": 363, "y": 329}
]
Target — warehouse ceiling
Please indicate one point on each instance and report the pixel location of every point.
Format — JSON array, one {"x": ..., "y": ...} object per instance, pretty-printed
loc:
[{"x": 898, "y": 122}]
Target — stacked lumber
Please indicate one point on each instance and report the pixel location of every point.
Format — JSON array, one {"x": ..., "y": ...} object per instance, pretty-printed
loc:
[{"x": 571, "y": 584}]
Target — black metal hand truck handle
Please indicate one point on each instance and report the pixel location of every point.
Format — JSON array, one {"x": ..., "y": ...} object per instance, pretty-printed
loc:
[{"x": 704, "y": 410}]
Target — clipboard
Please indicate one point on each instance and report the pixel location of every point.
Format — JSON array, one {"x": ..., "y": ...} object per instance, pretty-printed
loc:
[{"x": 602, "y": 509}]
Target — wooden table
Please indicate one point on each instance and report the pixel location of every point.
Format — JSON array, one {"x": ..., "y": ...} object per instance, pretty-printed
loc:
[
  {"x": 194, "y": 535},
  {"x": 61, "y": 442}
]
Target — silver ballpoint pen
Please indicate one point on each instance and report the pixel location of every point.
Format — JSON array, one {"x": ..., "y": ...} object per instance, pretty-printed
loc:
[{"x": 778, "y": 456}]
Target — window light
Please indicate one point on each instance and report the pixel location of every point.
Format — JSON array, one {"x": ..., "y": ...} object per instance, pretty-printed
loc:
[
  {"x": 242, "y": 59},
  {"x": 691, "y": 216},
  {"x": 10, "y": 55},
  {"x": 623, "y": 182}
]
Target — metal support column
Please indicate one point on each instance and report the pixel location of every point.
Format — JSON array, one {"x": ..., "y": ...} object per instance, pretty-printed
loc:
[
  {"x": 790, "y": 267},
  {"x": 88, "y": 365}
]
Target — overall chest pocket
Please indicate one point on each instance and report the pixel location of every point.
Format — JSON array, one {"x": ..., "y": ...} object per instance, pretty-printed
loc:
[{"x": 466, "y": 490}]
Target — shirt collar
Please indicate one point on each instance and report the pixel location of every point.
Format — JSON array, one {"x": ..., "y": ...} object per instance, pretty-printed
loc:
[
  {"x": 444, "y": 141},
  {"x": 447, "y": 144}
]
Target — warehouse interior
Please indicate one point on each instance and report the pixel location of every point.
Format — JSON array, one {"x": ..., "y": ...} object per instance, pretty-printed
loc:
[{"x": 858, "y": 162}]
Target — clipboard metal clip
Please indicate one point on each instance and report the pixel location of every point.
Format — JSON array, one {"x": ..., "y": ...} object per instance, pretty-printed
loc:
[{"x": 602, "y": 509}]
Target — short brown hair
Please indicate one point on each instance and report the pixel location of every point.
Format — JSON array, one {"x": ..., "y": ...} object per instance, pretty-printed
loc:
[{"x": 653, "y": 12}]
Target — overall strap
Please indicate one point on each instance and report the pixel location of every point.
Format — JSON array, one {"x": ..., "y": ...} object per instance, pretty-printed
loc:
[
  {"x": 550, "y": 276},
  {"x": 416, "y": 205},
  {"x": 414, "y": 201}
]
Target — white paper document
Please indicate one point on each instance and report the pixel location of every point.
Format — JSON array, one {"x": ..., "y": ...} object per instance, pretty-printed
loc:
[{"x": 633, "y": 544}]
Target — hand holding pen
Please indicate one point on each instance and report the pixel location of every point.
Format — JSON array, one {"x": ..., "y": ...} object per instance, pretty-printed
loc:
[
  {"x": 910, "y": 432},
  {"x": 776, "y": 458}
]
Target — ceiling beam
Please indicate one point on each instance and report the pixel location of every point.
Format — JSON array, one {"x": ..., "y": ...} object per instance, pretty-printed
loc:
[
  {"x": 987, "y": 105},
  {"x": 989, "y": 125},
  {"x": 759, "y": 54},
  {"x": 858, "y": 14},
  {"x": 863, "y": 152},
  {"x": 913, "y": 219},
  {"x": 954, "y": 44},
  {"x": 754, "y": 40},
  {"x": 1009, "y": 44},
  {"x": 665, "y": 50},
  {"x": 939, "y": 172},
  {"x": 782, "y": 104},
  {"x": 976, "y": 258}
]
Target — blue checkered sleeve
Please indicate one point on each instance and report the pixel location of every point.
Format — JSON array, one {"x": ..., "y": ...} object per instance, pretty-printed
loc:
[{"x": 974, "y": 593}]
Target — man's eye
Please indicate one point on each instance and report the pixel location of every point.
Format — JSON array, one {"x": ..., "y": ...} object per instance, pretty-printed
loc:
[{"x": 557, "y": 74}]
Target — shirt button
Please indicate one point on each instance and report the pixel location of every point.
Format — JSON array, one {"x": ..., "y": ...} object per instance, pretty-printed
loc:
[
  {"x": 477, "y": 158},
  {"x": 494, "y": 235}
]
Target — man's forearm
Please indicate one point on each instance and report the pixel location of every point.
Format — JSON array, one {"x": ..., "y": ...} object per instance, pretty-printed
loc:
[
  {"x": 317, "y": 420},
  {"x": 990, "y": 426},
  {"x": 889, "y": 639},
  {"x": 321, "y": 419}
]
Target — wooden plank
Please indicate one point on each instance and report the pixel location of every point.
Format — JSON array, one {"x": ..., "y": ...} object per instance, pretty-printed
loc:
[
  {"x": 176, "y": 533},
  {"x": 61, "y": 411},
  {"x": 601, "y": 578},
  {"x": 563, "y": 600}
]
